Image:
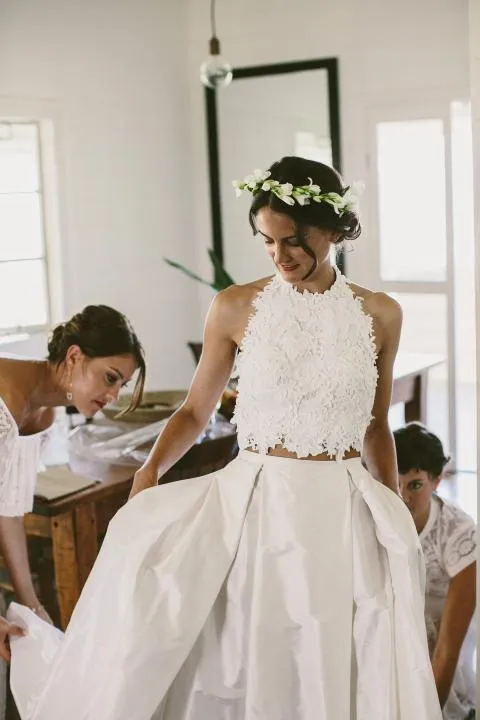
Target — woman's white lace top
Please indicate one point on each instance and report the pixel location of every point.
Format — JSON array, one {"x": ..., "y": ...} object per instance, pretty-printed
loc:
[
  {"x": 19, "y": 463},
  {"x": 306, "y": 371},
  {"x": 449, "y": 544}
]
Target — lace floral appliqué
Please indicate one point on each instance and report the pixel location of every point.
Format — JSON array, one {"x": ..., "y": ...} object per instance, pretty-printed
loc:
[
  {"x": 19, "y": 462},
  {"x": 307, "y": 373}
]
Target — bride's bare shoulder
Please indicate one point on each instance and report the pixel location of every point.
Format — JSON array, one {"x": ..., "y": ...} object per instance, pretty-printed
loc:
[
  {"x": 381, "y": 306},
  {"x": 240, "y": 297},
  {"x": 385, "y": 312},
  {"x": 231, "y": 309}
]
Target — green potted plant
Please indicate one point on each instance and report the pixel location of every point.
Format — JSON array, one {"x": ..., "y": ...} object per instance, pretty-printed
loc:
[{"x": 221, "y": 280}]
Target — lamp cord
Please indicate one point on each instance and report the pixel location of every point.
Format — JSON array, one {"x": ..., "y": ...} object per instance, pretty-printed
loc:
[{"x": 212, "y": 18}]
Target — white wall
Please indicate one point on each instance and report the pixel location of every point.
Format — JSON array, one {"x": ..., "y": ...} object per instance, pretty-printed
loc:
[
  {"x": 387, "y": 50},
  {"x": 123, "y": 79},
  {"x": 475, "y": 95},
  {"x": 115, "y": 73}
]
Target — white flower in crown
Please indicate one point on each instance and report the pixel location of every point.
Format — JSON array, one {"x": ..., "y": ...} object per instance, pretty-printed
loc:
[
  {"x": 256, "y": 178},
  {"x": 269, "y": 185},
  {"x": 314, "y": 189},
  {"x": 284, "y": 192},
  {"x": 286, "y": 188},
  {"x": 301, "y": 198},
  {"x": 251, "y": 182},
  {"x": 352, "y": 195}
]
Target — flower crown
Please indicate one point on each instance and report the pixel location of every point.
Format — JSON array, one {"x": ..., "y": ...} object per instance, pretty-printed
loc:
[{"x": 302, "y": 194}]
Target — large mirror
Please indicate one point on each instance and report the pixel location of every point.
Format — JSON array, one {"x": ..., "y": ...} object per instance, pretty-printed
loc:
[{"x": 268, "y": 111}]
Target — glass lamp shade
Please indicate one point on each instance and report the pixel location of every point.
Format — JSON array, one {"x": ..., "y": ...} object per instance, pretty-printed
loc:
[{"x": 215, "y": 72}]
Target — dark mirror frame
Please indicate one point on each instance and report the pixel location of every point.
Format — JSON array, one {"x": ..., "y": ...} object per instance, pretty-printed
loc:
[{"x": 328, "y": 64}]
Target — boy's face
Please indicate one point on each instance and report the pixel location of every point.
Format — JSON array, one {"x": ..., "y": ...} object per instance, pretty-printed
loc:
[{"x": 416, "y": 489}]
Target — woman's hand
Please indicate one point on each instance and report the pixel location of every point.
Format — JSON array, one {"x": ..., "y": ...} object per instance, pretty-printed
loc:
[
  {"x": 13, "y": 546},
  {"x": 42, "y": 613},
  {"x": 6, "y": 631},
  {"x": 144, "y": 478}
]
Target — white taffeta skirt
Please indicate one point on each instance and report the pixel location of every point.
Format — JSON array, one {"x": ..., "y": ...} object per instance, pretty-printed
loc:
[{"x": 275, "y": 589}]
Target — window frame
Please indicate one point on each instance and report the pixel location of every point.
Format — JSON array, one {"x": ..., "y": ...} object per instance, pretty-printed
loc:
[
  {"x": 48, "y": 116},
  {"x": 437, "y": 106}
]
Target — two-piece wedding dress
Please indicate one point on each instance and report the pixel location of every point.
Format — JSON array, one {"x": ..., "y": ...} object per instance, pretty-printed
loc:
[{"x": 275, "y": 589}]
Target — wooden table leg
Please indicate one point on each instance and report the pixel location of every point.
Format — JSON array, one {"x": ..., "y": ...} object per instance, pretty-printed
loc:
[
  {"x": 65, "y": 564},
  {"x": 416, "y": 408},
  {"x": 86, "y": 540},
  {"x": 46, "y": 583}
]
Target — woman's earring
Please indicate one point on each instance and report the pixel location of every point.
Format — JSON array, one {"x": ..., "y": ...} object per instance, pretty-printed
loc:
[{"x": 69, "y": 393}]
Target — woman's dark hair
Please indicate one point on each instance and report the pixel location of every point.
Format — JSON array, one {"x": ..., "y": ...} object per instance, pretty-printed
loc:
[
  {"x": 100, "y": 331},
  {"x": 419, "y": 449},
  {"x": 322, "y": 216}
]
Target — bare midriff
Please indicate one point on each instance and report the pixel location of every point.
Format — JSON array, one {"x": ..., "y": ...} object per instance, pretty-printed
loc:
[{"x": 280, "y": 451}]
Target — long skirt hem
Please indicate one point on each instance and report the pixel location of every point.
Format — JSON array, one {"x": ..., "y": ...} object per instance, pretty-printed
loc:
[{"x": 275, "y": 589}]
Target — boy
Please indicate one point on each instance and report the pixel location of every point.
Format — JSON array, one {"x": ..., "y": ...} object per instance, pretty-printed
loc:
[{"x": 448, "y": 538}]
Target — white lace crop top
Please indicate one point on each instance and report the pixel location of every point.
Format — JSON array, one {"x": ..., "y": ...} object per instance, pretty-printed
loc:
[
  {"x": 306, "y": 371},
  {"x": 19, "y": 463}
]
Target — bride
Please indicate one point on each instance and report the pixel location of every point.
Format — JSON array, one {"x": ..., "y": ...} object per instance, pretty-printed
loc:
[{"x": 288, "y": 586}]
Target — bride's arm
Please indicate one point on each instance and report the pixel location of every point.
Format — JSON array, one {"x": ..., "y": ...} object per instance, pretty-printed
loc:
[
  {"x": 379, "y": 447},
  {"x": 209, "y": 381}
]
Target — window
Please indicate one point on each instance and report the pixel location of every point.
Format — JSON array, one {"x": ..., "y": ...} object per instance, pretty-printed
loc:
[
  {"x": 423, "y": 175},
  {"x": 24, "y": 295},
  {"x": 464, "y": 284},
  {"x": 411, "y": 200}
]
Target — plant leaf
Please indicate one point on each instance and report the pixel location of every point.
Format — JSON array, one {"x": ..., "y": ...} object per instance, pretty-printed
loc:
[
  {"x": 222, "y": 278},
  {"x": 189, "y": 273}
]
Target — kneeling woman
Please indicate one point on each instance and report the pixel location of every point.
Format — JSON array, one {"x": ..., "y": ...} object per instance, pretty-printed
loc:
[{"x": 90, "y": 357}]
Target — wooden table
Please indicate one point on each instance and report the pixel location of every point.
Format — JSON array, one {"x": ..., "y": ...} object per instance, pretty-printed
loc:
[
  {"x": 76, "y": 523},
  {"x": 410, "y": 383}
]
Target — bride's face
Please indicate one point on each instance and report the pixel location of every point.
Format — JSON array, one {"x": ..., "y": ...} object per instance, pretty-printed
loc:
[{"x": 280, "y": 236}]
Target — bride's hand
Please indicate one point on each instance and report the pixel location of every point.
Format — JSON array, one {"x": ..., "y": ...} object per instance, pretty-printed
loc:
[{"x": 144, "y": 478}]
